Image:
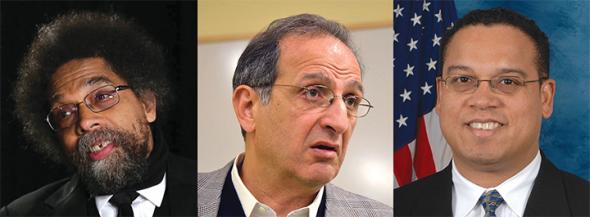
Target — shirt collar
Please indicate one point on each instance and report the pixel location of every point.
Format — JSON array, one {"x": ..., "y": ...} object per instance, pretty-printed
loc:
[
  {"x": 154, "y": 194},
  {"x": 248, "y": 200},
  {"x": 515, "y": 191},
  {"x": 466, "y": 193}
]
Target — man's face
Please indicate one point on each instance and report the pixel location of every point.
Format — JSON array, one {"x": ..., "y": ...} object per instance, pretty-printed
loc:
[
  {"x": 487, "y": 128},
  {"x": 108, "y": 148},
  {"x": 292, "y": 138}
]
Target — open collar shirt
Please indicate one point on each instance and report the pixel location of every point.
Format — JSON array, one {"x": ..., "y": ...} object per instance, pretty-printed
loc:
[{"x": 253, "y": 208}]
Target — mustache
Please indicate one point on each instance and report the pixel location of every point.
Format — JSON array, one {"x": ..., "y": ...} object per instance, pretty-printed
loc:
[{"x": 90, "y": 139}]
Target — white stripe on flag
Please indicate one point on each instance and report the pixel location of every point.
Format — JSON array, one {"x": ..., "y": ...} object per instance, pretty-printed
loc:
[{"x": 441, "y": 151}]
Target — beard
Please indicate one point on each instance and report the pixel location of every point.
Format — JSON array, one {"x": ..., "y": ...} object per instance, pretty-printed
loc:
[{"x": 123, "y": 167}]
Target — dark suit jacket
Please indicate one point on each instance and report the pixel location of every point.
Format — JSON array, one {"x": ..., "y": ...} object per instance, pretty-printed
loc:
[
  {"x": 554, "y": 193},
  {"x": 68, "y": 198}
]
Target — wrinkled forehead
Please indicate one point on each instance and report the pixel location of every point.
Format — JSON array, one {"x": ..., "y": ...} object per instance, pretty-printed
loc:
[
  {"x": 302, "y": 50},
  {"x": 78, "y": 75},
  {"x": 296, "y": 39}
]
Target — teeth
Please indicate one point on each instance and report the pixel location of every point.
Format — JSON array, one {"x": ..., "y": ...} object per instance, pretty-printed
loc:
[
  {"x": 99, "y": 147},
  {"x": 485, "y": 126}
]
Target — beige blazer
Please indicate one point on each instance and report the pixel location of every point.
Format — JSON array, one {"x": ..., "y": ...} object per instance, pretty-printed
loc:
[{"x": 339, "y": 202}]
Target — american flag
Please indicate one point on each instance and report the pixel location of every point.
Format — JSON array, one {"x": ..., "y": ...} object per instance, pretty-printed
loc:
[{"x": 419, "y": 147}]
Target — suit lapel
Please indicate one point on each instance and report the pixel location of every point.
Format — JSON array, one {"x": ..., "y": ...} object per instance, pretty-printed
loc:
[
  {"x": 437, "y": 195},
  {"x": 178, "y": 201},
  {"x": 70, "y": 200},
  {"x": 548, "y": 194},
  {"x": 209, "y": 190}
]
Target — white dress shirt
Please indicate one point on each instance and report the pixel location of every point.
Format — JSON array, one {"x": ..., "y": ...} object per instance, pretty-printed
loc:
[
  {"x": 143, "y": 206},
  {"x": 253, "y": 208},
  {"x": 515, "y": 191}
]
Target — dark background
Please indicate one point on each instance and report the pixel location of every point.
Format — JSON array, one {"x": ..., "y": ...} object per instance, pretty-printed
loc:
[{"x": 172, "y": 24}]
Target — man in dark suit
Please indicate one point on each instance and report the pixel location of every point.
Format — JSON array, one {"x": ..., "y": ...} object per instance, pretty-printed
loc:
[
  {"x": 493, "y": 92},
  {"x": 99, "y": 81}
]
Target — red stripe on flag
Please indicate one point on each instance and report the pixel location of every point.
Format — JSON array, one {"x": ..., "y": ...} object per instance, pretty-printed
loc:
[
  {"x": 402, "y": 165},
  {"x": 423, "y": 159}
]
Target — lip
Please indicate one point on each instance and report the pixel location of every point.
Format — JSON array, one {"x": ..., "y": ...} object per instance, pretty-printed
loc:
[
  {"x": 103, "y": 153},
  {"x": 325, "y": 150}
]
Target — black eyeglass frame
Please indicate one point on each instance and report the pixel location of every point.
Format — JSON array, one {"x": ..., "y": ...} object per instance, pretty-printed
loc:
[{"x": 91, "y": 107}]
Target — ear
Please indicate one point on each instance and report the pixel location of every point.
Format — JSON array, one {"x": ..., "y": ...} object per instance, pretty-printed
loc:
[
  {"x": 148, "y": 100},
  {"x": 547, "y": 96},
  {"x": 243, "y": 100}
]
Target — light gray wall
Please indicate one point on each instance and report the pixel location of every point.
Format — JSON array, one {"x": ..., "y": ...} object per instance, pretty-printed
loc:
[{"x": 368, "y": 166}]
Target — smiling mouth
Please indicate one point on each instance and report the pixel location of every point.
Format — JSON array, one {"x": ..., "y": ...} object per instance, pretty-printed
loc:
[
  {"x": 490, "y": 125},
  {"x": 101, "y": 150},
  {"x": 99, "y": 147}
]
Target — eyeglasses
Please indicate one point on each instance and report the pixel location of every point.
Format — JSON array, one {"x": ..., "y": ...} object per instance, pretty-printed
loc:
[
  {"x": 98, "y": 100},
  {"x": 503, "y": 84},
  {"x": 316, "y": 96}
]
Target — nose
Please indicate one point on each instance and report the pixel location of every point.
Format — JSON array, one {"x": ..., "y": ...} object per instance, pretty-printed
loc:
[
  {"x": 88, "y": 120},
  {"x": 336, "y": 117},
  {"x": 484, "y": 97}
]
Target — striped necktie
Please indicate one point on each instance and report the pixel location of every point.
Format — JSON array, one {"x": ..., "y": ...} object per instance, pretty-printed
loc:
[{"x": 490, "y": 200}]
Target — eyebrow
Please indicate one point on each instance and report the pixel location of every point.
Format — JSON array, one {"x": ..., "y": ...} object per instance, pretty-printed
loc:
[
  {"x": 316, "y": 76},
  {"x": 511, "y": 70},
  {"x": 98, "y": 79},
  {"x": 453, "y": 68},
  {"x": 90, "y": 82},
  {"x": 323, "y": 78}
]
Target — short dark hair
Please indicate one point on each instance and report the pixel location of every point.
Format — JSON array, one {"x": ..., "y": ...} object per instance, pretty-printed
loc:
[
  {"x": 504, "y": 16},
  {"x": 125, "y": 47},
  {"x": 257, "y": 66}
]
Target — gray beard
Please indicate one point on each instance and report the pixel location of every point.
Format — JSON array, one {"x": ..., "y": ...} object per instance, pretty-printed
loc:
[{"x": 125, "y": 165}]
